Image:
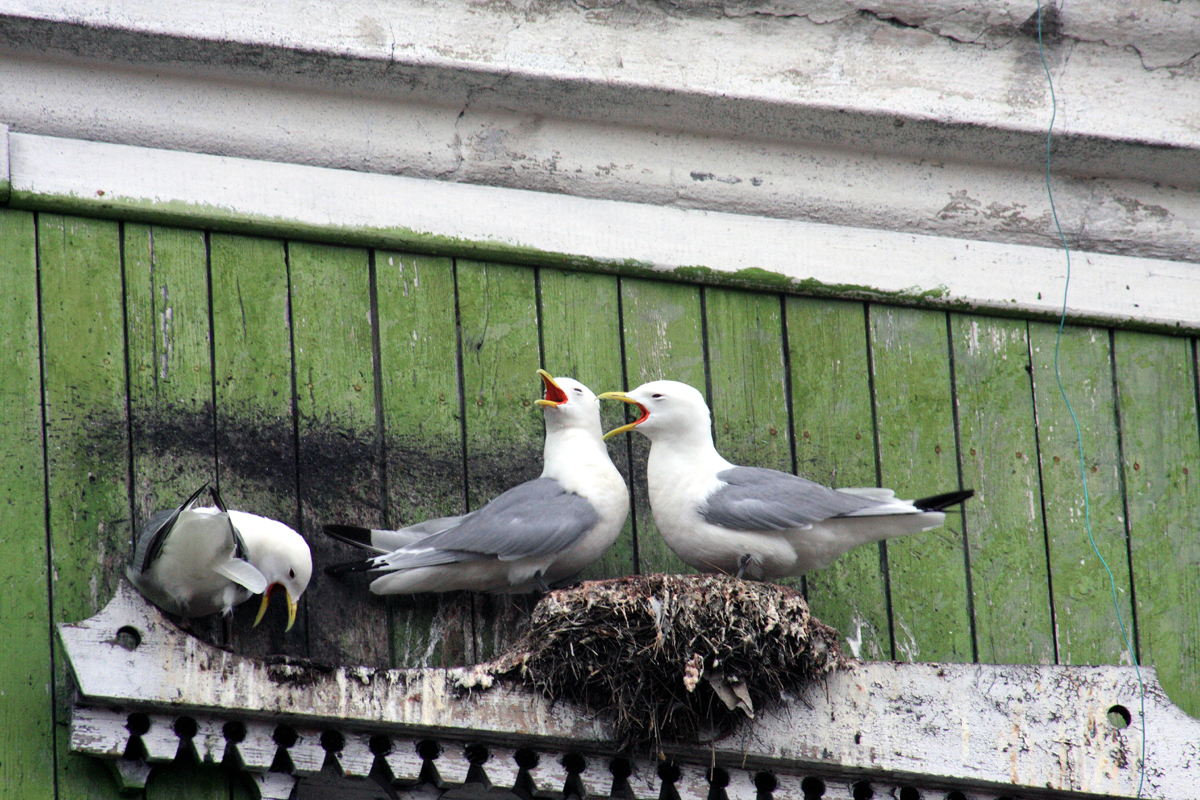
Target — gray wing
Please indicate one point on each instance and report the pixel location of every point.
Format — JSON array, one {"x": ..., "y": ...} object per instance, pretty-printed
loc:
[
  {"x": 536, "y": 518},
  {"x": 757, "y": 499},
  {"x": 155, "y": 532}
]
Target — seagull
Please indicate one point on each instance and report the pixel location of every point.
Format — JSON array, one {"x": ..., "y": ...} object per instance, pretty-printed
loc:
[
  {"x": 193, "y": 561},
  {"x": 749, "y": 521},
  {"x": 538, "y": 533}
]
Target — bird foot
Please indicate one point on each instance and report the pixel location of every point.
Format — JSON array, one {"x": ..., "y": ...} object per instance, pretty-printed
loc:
[
  {"x": 743, "y": 562},
  {"x": 543, "y": 587}
]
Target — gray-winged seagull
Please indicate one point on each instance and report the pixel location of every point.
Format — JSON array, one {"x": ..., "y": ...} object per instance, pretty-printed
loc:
[
  {"x": 537, "y": 533},
  {"x": 749, "y": 521}
]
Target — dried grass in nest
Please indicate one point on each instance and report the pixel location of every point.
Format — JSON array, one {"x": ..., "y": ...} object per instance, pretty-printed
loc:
[{"x": 674, "y": 657}]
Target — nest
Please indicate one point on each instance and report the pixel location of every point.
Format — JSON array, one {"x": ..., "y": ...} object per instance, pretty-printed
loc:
[{"x": 674, "y": 657}]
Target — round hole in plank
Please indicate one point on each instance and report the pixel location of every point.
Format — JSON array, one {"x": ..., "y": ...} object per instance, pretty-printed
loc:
[
  {"x": 137, "y": 723},
  {"x": 129, "y": 637},
  {"x": 476, "y": 754},
  {"x": 813, "y": 788},
  {"x": 574, "y": 763},
  {"x": 526, "y": 758},
  {"x": 861, "y": 790},
  {"x": 766, "y": 783},
  {"x": 380, "y": 744},
  {"x": 669, "y": 772},
  {"x": 1119, "y": 717},
  {"x": 185, "y": 727},
  {"x": 621, "y": 768},
  {"x": 956, "y": 795},
  {"x": 285, "y": 735},
  {"x": 428, "y": 749},
  {"x": 333, "y": 741},
  {"x": 234, "y": 731},
  {"x": 909, "y": 793},
  {"x": 718, "y": 777}
]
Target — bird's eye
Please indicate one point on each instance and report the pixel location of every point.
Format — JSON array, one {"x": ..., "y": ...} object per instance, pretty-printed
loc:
[
  {"x": 656, "y": 396},
  {"x": 578, "y": 390},
  {"x": 291, "y": 573}
]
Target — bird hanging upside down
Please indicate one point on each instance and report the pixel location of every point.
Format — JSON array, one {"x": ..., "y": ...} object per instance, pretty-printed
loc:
[
  {"x": 197, "y": 561},
  {"x": 749, "y": 521}
]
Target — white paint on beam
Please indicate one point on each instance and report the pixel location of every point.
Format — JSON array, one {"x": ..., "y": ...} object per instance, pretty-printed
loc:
[
  {"x": 190, "y": 189},
  {"x": 1028, "y": 727}
]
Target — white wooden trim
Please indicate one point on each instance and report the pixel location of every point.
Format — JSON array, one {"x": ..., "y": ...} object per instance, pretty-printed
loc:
[
  {"x": 1028, "y": 727},
  {"x": 194, "y": 189}
]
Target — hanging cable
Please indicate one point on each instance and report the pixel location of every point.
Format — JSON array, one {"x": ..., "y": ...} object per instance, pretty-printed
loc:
[{"x": 1087, "y": 510}]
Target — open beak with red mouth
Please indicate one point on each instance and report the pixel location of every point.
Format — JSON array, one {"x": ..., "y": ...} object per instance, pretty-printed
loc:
[
  {"x": 624, "y": 398},
  {"x": 262, "y": 609},
  {"x": 555, "y": 396}
]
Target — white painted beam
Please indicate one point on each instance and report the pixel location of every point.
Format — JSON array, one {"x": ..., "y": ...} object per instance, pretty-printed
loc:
[
  {"x": 1031, "y": 729},
  {"x": 816, "y": 110},
  {"x": 198, "y": 190}
]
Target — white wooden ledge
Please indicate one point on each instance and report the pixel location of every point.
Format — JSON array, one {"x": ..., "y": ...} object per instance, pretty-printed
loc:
[{"x": 989, "y": 730}]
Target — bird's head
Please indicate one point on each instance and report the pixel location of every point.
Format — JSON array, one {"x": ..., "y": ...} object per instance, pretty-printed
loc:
[
  {"x": 569, "y": 404},
  {"x": 281, "y": 555},
  {"x": 669, "y": 410}
]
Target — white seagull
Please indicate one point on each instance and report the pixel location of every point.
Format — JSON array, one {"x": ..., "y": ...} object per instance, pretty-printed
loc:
[
  {"x": 535, "y": 534},
  {"x": 749, "y": 521},
  {"x": 196, "y": 561}
]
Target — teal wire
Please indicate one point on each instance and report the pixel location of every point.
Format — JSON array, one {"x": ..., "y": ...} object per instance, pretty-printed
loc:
[{"x": 1087, "y": 509}]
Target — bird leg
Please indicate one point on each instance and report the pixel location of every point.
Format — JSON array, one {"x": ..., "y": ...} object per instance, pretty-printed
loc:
[
  {"x": 543, "y": 587},
  {"x": 743, "y": 562}
]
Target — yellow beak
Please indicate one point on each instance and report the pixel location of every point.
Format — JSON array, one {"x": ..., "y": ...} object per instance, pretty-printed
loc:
[
  {"x": 292, "y": 605},
  {"x": 555, "y": 396},
  {"x": 624, "y": 398}
]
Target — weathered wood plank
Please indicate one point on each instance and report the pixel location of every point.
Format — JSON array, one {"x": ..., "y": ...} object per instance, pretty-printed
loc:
[
  {"x": 915, "y": 417},
  {"x": 1005, "y": 532},
  {"x": 1085, "y": 617},
  {"x": 26, "y": 713},
  {"x": 423, "y": 439},
  {"x": 83, "y": 356},
  {"x": 1160, "y": 442},
  {"x": 504, "y": 429},
  {"x": 749, "y": 380},
  {"x": 170, "y": 373},
  {"x": 256, "y": 451},
  {"x": 170, "y": 365},
  {"x": 339, "y": 469},
  {"x": 663, "y": 340},
  {"x": 835, "y": 444},
  {"x": 581, "y": 337}
]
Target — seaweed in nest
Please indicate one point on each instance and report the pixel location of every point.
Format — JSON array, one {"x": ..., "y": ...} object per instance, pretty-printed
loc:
[{"x": 674, "y": 657}]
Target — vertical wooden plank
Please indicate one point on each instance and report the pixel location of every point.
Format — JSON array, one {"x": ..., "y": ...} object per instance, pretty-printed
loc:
[
  {"x": 504, "y": 430},
  {"x": 339, "y": 448},
  {"x": 423, "y": 438},
  {"x": 26, "y": 712},
  {"x": 170, "y": 369},
  {"x": 83, "y": 356},
  {"x": 749, "y": 392},
  {"x": 581, "y": 336},
  {"x": 663, "y": 340},
  {"x": 1085, "y": 617},
  {"x": 1005, "y": 532},
  {"x": 1160, "y": 444},
  {"x": 252, "y": 362},
  {"x": 831, "y": 408},
  {"x": 915, "y": 417}
]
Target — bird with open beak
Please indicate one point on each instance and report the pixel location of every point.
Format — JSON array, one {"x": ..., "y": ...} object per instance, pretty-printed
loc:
[
  {"x": 194, "y": 561},
  {"x": 536, "y": 534},
  {"x": 749, "y": 521}
]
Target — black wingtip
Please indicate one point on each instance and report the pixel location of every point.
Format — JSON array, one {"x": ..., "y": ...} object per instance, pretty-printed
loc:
[
  {"x": 938, "y": 502},
  {"x": 350, "y": 534},
  {"x": 350, "y": 566}
]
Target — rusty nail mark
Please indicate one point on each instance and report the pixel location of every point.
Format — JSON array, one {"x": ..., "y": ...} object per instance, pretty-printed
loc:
[
  {"x": 1056, "y": 459},
  {"x": 856, "y": 436},
  {"x": 1136, "y": 465},
  {"x": 1021, "y": 455},
  {"x": 773, "y": 431},
  {"x": 100, "y": 192},
  {"x": 937, "y": 448},
  {"x": 807, "y": 434},
  {"x": 973, "y": 451},
  {"x": 1094, "y": 468}
]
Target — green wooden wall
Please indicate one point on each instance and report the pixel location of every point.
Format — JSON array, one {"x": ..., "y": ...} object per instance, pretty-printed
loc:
[{"x": 316, "y": 383}]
